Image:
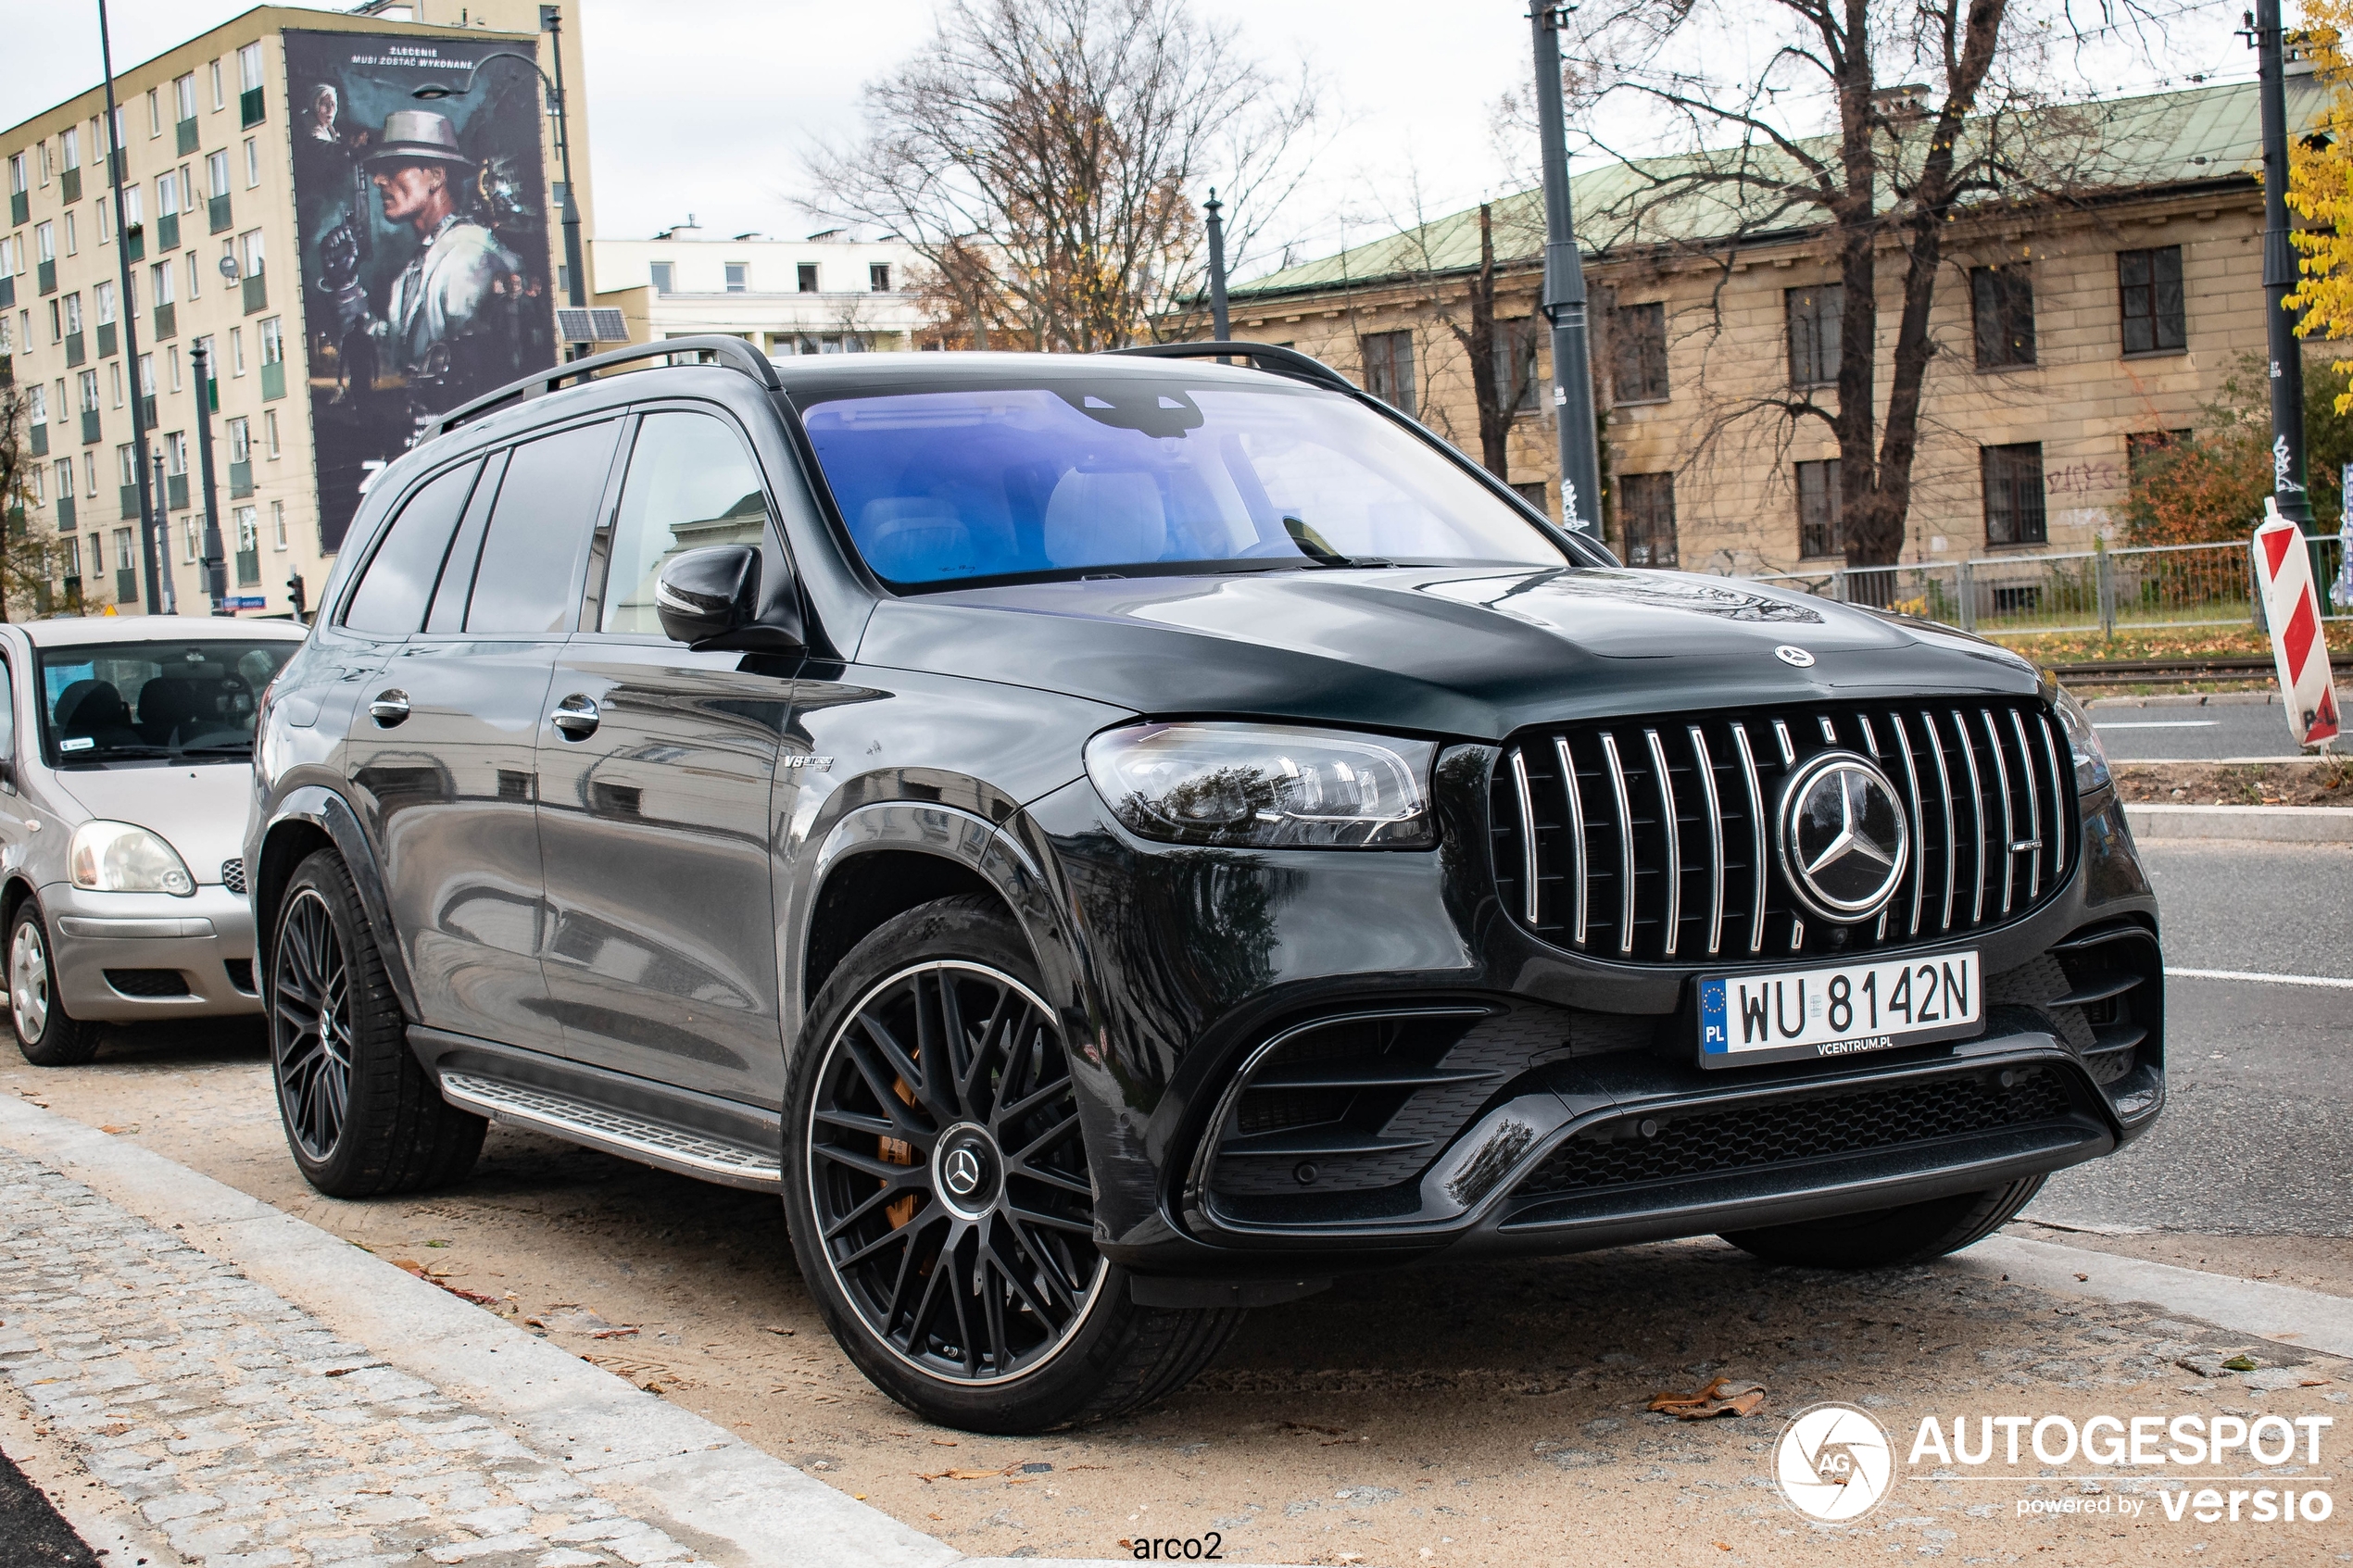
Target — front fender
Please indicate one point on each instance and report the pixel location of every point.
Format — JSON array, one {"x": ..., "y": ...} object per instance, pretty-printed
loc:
[{"x": 272, "y": 858}]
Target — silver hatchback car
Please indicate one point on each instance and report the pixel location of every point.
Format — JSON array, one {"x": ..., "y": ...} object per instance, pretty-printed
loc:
[{"x": 126, "y": 767}]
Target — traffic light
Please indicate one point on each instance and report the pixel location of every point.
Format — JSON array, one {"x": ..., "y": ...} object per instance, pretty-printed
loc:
[{"x": 295, "y": 592}]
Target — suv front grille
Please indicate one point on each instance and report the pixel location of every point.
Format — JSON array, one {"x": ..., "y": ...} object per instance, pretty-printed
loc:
[
  {"x": 1652, "y": 841},
  {"x": 1768, "y": 1133}
]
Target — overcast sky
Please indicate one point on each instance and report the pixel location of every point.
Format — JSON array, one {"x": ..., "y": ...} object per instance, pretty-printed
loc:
[{"x": 704, "y": 105}]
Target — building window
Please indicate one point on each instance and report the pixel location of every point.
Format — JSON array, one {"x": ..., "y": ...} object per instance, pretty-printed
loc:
[
  {"x": 2149, "y": 287},
  {"x": 176, "y": 443},
  {"x": 183, "y": 95},
  {"x": 878, "y": 277},
  {"x": 240, "y": 441},
  {"x": 1637, "y": 353},
  {"x": 123, "y": 461},
  {"x": 661, "y": 277},
  {"x": 270, "y": 432},
  {"x": 1819, "y": 534},
  {"x": 73, "y": 244},
  {"x": 2003, "y": 301},
  {"x": 253, "y": 163},
  {"x": 114, "y": 377},
  {"x": 2014, "y": 512},
  {"x": 1646, "y": 518},
  {"x": 195, "y": 277},
  {"x": 218, "y": 101},
  {"x": 805, "y": 278},
  {"x": 249, "y": 67},
  {"x": 154, "y": 112},
  {"x": 1516, "y": 364},
  {"x": 162, "y": 271},
  {"x": 738, "y": 277},
  {"x": 236, "y": 351},
  {"x": 188, "y": 538},
  {"x": 217, "y": 174},
  {"x": 1388, "y": 368},
  {"x": 273, "y": 343},
  {"x": 250, "y": 262},
  {"x": 277, "y": 525},
  {"x": 2140, "y": 447},
  {"x": 1814, "y": 324},
  {"x": 90, "y": 389}
]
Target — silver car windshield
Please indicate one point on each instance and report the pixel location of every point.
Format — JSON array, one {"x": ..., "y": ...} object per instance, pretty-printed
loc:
[
  {"x": 1133, "y": 475},
  {"x": 162, "y": 701}
]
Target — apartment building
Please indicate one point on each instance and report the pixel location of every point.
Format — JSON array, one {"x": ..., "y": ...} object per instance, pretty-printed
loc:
[
  {"x": 2069, "y": 335},
  {"x": 285, "y": 192},
  {"x": 829, "y": 294}
]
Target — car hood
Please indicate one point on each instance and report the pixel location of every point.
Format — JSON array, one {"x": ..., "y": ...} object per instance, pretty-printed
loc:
[
  {"x": 200, "y": 810},
  {"x": 1471, "y": 653}
]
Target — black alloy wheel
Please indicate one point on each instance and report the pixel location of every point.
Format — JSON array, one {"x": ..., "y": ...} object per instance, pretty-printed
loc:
[
  {"x": 311, "y": 1024},
  {"x": 948, "y": 1173}
]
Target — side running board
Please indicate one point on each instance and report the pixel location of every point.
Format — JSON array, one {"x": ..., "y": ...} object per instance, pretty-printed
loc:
[{"x": 615, "y": 1131}]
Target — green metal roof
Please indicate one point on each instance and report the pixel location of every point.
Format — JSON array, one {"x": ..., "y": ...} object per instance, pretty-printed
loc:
[{"x": 2198, "y": 136}]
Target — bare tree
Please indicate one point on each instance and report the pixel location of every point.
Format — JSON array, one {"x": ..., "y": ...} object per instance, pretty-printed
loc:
[
  {"x": 1883, "y": 183},
  {"x": 27, "y": 553},
  {"x": 1040, "y": 155}
]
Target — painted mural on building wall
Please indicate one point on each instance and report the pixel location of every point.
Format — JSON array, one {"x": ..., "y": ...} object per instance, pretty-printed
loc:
[{"x": 423, "y": 227}]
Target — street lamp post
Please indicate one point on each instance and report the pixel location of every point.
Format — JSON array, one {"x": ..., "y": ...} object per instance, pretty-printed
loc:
[
  {"x": 1564, "y": 286},
  {"x": 159, "y": 552},
  {"x": 216, "y": 573},
  {"x": 139, "y": 430},
  {"x": 551, "y": 22},
  {"x": 2278, "y": 273},
  {"x": 1219, "y": 327}
]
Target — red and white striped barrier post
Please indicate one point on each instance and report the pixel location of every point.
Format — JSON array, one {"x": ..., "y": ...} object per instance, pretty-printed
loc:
[{"x": 2292, "y": 611}]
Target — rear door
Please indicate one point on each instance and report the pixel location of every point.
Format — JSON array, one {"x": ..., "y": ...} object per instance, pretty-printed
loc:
[
  {"x": 443, "y": 745},
  {"x": 656, "y": 771}
]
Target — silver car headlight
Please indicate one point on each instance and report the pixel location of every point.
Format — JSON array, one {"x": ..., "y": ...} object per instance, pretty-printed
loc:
[
  {"x": 1265, "y": 787},
  {"x": 2082, "y": 741},
  {"x": 118, "y": 858}
]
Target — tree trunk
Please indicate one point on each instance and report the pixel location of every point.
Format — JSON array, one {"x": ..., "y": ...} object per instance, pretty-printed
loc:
[{"x": 1495, "y": 402}]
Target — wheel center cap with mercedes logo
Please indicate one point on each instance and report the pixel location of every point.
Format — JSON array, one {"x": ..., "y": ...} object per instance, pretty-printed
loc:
[
  {"x": 967, "y": 1170},
  {"x": 1844, "y": 841}
]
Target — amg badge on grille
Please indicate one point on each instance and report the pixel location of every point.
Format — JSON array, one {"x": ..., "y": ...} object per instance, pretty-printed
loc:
[{"x": 1844, "y": 840}]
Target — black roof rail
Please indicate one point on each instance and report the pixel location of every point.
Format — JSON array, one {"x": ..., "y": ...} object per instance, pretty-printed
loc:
[
  {"x": 733, "y": 352},
  {"x": 1267, "y": 357}
]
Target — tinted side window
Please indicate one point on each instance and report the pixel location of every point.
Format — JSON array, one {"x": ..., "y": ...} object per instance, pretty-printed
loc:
[
  {"x": 392, "y": 592},
  {"x": 448, "y": 612},
  {"x": 529, "y": 579},
  {"x": 8, "y": 712},
  {"x": 691, "y": 483}
]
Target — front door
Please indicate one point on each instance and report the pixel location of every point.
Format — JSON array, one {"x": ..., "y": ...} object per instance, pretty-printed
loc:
[{"x": 656, "y": 769}]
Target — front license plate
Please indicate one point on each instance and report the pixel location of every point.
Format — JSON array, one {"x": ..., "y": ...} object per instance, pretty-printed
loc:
[{"x": 1837, "y": 1012}]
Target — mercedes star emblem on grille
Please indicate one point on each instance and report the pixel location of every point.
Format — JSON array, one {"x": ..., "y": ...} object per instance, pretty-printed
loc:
[{"x": 1844, "y": 842}]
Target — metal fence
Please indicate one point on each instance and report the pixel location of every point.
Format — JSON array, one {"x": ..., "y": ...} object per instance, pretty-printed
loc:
[{"x": 2097, "y": 590}]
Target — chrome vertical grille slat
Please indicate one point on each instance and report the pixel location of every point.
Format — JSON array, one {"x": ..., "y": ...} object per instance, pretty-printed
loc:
[
  {"x": 1688, "y": 888},
  {"x": 1715, "y": 841},
  {"x": 1576, "y": 841}
]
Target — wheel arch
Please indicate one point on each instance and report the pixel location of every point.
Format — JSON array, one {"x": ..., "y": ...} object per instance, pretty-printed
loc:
[{"x": 309, "y": 819}]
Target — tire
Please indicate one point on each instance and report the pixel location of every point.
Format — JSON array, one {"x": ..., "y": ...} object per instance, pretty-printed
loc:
[
  {"x": 361, "y": 1117},
  {"x": 1883, "y": 1238},
  {"x": 48, "y": 1036},
  {"x": 876, "y": 1191}
]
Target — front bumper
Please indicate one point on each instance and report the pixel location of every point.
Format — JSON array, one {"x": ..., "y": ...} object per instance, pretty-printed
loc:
[
  {"x": 1199, "y": 964},
  {"x": 131, "y": 957}
]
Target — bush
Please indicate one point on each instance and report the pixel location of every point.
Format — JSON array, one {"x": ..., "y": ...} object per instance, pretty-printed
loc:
[{"x": 2210, "y": 487}]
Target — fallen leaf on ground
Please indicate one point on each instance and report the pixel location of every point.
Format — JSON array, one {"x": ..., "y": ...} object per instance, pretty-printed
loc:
[
  {"x": 1721, "y": 1397},
  {"x": 774, "y": 1328},
  {"x": 2242, "y": 1364},
  {"x": 2315, "y": 1381},
  {"x": 614, "y": 1333},
  {"x": 109, "y": 1128},
  {"x": 2083, "y": 1277},
  {"x": 943, "y": 1442}
]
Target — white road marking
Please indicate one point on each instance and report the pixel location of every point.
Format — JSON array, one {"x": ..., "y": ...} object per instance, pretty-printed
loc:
[
  {"x": 2161, "y": 724},
  {"x": 2329, "y": 980}
]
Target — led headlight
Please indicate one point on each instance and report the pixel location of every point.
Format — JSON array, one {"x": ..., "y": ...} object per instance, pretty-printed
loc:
[
  {"x": 117, "y": 858},
  {"x": 2090, "y": 762},
  {"x": 1265, "y": 787}
]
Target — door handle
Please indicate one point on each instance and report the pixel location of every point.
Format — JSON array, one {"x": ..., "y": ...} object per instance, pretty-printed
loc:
[
  {"x": 576, "y": 717},
  {"x": 389, "y": 708}
]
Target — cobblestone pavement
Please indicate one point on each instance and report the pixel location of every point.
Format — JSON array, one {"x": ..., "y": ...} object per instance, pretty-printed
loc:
[{"x": 246, "y": 1431}]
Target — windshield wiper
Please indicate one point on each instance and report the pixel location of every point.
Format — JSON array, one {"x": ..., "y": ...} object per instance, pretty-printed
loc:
[
  {"x": 1312, "y": 545},
  {"x": 110, "y": 754},
  {"x": 225, "y": 748}
]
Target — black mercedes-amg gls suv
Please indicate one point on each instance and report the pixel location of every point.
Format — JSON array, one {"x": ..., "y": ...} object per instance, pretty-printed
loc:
[{"x": 1115, "y": 840}]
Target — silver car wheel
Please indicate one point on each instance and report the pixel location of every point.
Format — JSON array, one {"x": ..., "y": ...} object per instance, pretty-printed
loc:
[{"x": 29, "y": 981}]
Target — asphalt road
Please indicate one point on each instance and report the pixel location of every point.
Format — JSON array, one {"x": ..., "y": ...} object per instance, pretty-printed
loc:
[
  {"x": 2171, "y": 734},
  {"x": 2257, "y": 1137}
]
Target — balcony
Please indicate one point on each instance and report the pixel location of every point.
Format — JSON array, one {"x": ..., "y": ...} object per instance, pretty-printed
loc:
[
  {"x": 126, "y": 585},
  {"x": 91, "y": 435},
  {"x": 274, "y": 381},
  {"x": 176, "y": 491},
  {"x": 134, "y": 241},
  {"x": 40, "y": 433},
  {"x": 249, "y": 108},
  {"x": 130, "y": 502},
  {"x": 167, "y": 321},
  {"x": 240, "y": 480},
  {"x": 72, "y": 183},
  {"x": 187, "y": 129},
  {"x": 76, "y": 349},
  {"x": 256, "y": 293},
  {"x": 65, "y": 514},
  {"x": 167, "y": 231},
  {"x": 216, "y": 212},
  {"x": 19, "y": 207},
  {"x": 106, "y": 345},
  {"x": 47, "y": 273}
]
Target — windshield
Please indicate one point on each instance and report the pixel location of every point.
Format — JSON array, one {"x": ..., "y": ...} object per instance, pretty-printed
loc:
[
  {"x": 1138, "y": 474},
  {"x": 162, "y": 701}
]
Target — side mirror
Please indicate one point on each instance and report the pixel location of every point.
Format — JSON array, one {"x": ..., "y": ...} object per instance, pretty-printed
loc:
[
  {"x": 7, "y": 774},
  {"x": 707, "y": 594}
]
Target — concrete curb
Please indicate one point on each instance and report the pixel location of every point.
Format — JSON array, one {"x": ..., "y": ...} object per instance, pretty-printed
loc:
[
  {"x": 2281, "y": 824},
  {"x": 2284, "y": 1312},
  {"x": 691, "y": 1471}
]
